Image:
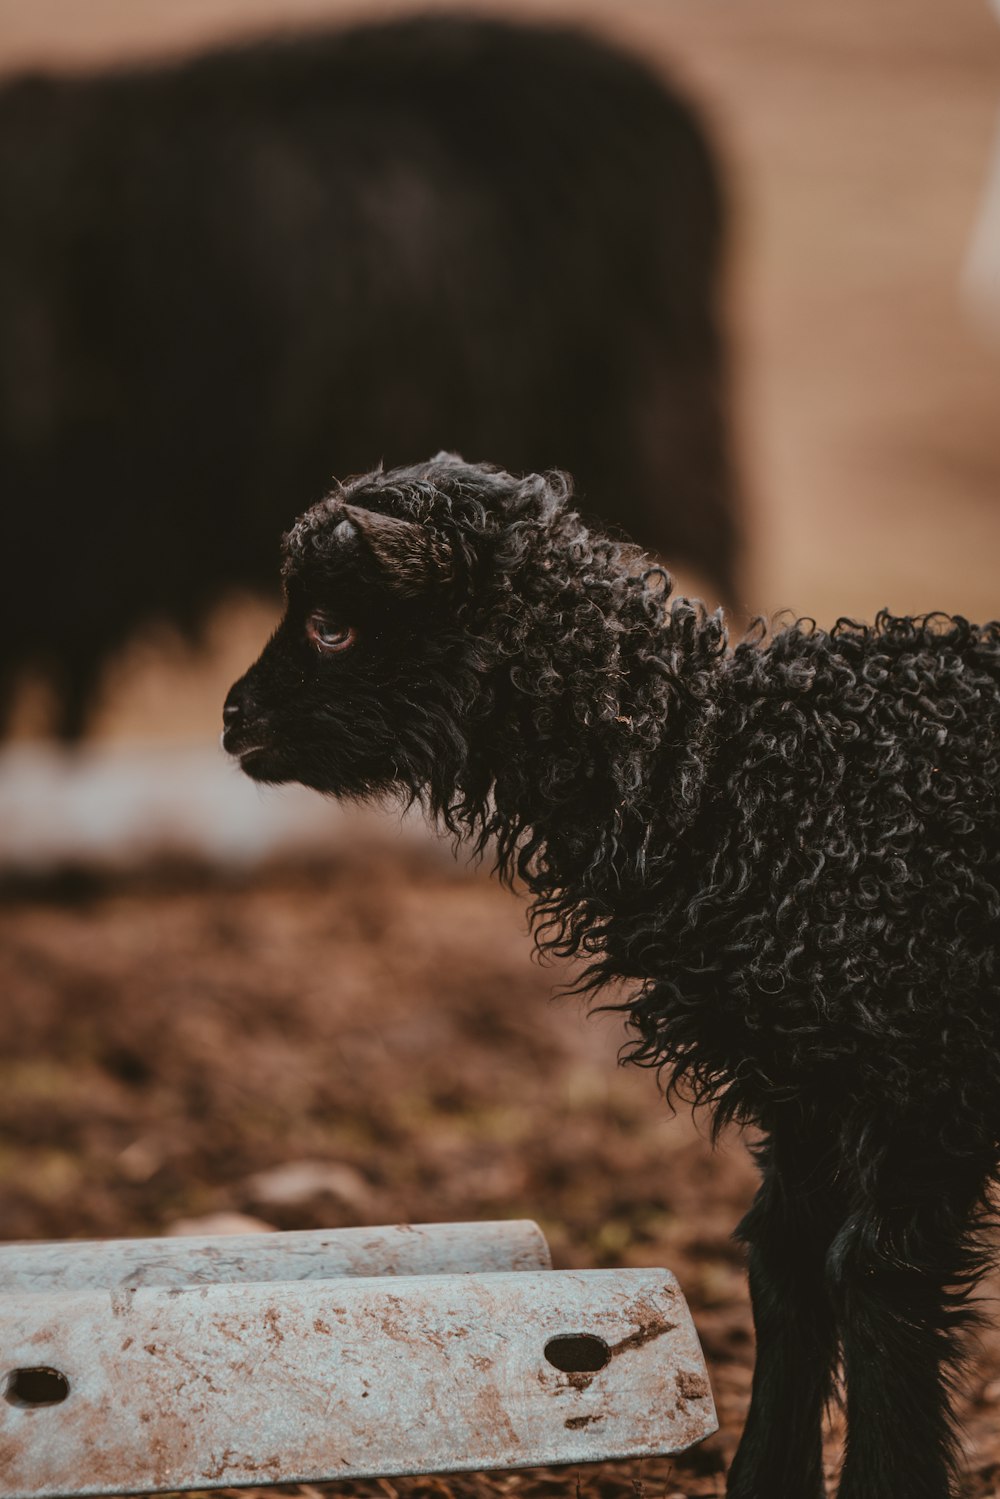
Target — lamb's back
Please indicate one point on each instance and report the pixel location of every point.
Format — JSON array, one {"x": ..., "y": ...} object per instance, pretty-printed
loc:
[{"x": 835, "y": 918}]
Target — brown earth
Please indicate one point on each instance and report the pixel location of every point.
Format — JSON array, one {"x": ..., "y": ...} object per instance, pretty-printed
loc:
[{"x": 162, "y": 1040}]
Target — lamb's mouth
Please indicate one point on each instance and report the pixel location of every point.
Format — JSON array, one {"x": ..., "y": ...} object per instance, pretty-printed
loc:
[
  {"x": 256, "y": 758},
  {"x": 258, "y": 761}
]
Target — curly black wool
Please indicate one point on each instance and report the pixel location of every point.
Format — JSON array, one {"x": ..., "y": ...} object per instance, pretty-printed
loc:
[{"x": 791, "y": 848}]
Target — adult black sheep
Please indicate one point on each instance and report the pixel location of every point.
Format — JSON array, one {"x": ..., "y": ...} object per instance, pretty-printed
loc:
[
  {"x": 223, "y": 280},
  {"x": 791, "y": 849}
]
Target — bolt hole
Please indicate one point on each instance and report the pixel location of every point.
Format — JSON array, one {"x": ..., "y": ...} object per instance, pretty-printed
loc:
[
  {"x": 33, "y": 1387},
  {"x": 578, "y": 1353}
]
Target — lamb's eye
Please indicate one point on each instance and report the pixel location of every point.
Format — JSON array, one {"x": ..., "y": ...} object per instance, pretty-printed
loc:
[{"x": 328, "y": 636}]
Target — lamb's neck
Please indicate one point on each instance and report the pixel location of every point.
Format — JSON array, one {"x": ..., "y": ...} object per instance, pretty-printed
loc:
[{"x": 599, "y": 778}]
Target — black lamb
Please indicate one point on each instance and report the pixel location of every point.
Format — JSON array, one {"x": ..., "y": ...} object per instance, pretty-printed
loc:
[
  {"x": 225, "y": 279},
  {"x": 791, "y": 848}
]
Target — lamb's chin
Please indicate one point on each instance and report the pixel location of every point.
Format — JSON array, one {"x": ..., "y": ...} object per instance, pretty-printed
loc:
[{"x": 260, "y": 764}]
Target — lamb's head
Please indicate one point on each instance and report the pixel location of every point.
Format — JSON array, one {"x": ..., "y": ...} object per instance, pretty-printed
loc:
[{"x": 380, "y": 670}]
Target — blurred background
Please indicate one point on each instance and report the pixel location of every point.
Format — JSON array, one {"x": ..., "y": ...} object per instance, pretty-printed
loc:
[{"x": 734, "y": 263}]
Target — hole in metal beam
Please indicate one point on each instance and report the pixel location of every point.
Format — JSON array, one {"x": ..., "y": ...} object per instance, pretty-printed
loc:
[
  {"x": 33, "y": 1387},
  {"x": 578, "y": 1353}
]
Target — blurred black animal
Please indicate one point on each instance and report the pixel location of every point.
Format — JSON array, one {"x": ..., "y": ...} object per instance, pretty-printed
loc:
[
  {"x": 224, "y": 280},
  {"x": 791, "y": 848}
]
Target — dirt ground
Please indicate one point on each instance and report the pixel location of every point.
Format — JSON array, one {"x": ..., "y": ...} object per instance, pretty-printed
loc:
[{"x": 165, "y": 1040}]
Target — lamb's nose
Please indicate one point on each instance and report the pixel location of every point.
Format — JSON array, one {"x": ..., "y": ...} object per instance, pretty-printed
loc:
[{"x": 238, "y": 705}]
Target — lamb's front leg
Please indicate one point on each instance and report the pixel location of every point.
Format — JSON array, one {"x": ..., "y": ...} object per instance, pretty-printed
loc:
[
  {"x": 896, "y": 1271},
  {"x": 788, "y": 1231}
]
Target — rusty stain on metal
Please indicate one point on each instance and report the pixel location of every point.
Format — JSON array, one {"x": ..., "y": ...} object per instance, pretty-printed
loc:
[
  {"x": 317, "y": 1254},
  {"x": 300, "y": 1380}
]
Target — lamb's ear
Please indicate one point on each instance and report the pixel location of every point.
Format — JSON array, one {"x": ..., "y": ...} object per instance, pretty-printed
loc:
[{"x": 410, "y": 559}]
